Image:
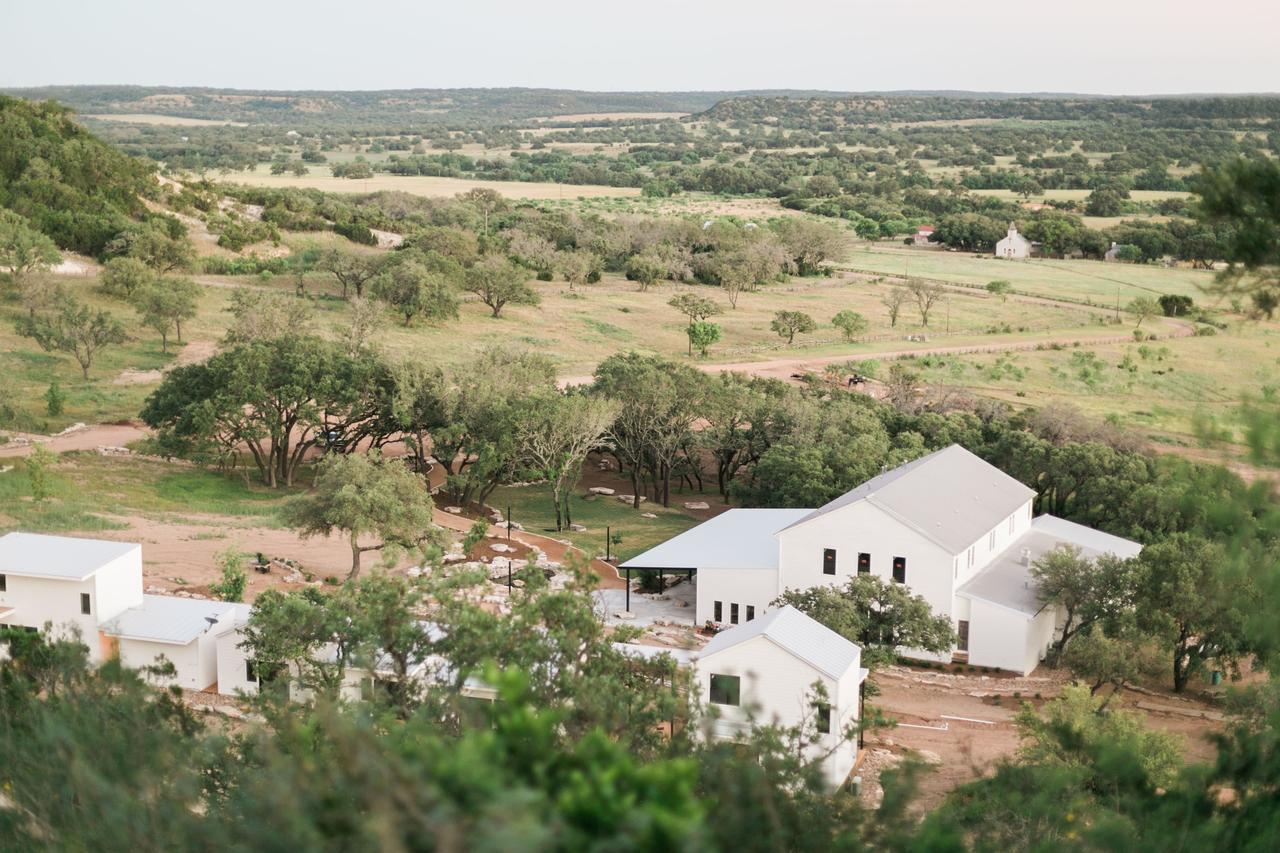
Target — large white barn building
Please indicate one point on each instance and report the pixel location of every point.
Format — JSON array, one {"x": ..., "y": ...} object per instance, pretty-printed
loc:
[{"x": 958, "y": 531}]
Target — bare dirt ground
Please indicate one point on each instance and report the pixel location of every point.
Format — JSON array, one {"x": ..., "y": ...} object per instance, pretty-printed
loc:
[
  {"x": 86, "y": 438},
  {"x": 193, "y": 352},
  {"x": 961, "y": 750}
]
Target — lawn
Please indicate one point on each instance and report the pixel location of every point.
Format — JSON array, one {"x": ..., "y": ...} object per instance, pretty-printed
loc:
[
  {"x": 1095, "y": 281},
  {"x": 632, "y": 533}
]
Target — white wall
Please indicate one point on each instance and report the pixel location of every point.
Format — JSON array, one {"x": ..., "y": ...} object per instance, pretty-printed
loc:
[
  {"x": 862, "y": 527},
  {"x": 776, "y": 687},
  {"x": 756, "y": 587},
  {"x": 1008, "y": 639},
  {"x": 983, "y": 550},
  {"x": 117, "y": 586},
  {"x": 186, "y": 660},
  {"x": 40, "y": 600},
  {"x": 230, "y": 662}
]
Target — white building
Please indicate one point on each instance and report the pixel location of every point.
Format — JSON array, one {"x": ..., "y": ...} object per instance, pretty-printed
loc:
[
  {"x": 1014, "y": 245},
  {"x": 957, "y": 531},
  {"x": 93, "y": 588}
]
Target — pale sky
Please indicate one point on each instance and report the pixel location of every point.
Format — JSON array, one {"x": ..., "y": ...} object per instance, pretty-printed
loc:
[{"x": 1093, "y": 46}]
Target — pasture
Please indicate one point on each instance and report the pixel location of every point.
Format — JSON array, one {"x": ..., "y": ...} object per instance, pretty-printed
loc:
[{"x": 423, "y": 185}]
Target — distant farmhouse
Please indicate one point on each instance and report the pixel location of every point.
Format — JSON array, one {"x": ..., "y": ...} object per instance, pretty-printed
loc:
[
  {"x": 956, "y": 530},
  {"x": 1014, "y": 245},
  {"x": 923, "y": 236}
]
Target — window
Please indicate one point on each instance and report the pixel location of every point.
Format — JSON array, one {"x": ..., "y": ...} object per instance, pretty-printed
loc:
[
  {"x": 899, "y": 569},
  {"x": 726, "y": 689},
  {"x": 991, "y": 541},
  {"x": 751, "y": 612},
  {"x": 824, "y": 718},
  {"x": 1011, "y": 523},
  {"x": 4, "y": 583},
  {"x": 962, "y": 632},
  {"x": 84, "y": 603},
  {"x": 718, "y": 615},
  {"x": 828, "y": 561},
  {"x": 971, "y": 557},
  {"x": 250, "y": 671},
  {"x": 733, "y": 613},
  {"x": 864, "y": 563}
]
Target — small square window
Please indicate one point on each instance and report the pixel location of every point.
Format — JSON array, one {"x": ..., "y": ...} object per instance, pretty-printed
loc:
[
  {"x": 824, "y": 719},
  {"x": 733, "y": 613},
  {"x": 828, "y": 561},
  {"x": 84, "y": 603},
  {"x": 751, "y": 612},
  {"x": 718, "y": 612},
  {"x": 726, "y": 689},
  {"x": 864, "y": 563},
  {"x": 899, "y": 569}
]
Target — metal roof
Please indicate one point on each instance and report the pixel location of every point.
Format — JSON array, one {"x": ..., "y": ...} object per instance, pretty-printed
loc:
[
  {"x": 1007, "y": 581},
  {"x": 60, "y": 557},
  {"x": 737, "y": 539},
  {"x": 949, "y": 496},
  {"x": 167, "y": 619},
  {"x": 794, "y": 632}
]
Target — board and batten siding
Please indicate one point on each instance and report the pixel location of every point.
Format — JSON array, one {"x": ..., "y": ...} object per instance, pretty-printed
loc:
[{"x": 755, "y": 587}]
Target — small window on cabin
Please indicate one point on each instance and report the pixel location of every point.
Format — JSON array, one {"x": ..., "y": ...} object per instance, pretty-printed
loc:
[
  {"x": 250, "y": 671},
  {"x": 828, "y": 561},
  {"x": 751, "y": 612},
  {"x": 4, "y": 583},
  {"x": 718, "y": 614},
  {"x": 864, "y": 563},
  {"x": 733, "y": 613},
  {"x": 899, "y": 569},
  {"x": 726, "y": 689},
  {"x": 84, "y": 603},
  {"x": 823, "y": 718}
]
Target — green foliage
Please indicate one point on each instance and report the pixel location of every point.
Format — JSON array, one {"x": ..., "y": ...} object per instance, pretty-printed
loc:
[
  {"x": 73, "y": 328},
  {"x": 55, "y": 399},
  {"x": 123, "y": 276},
  {"x": 850, "y": 323},
  {"x": 233, "y": 577},
  {"x": 38, "y": 464},
  {"x": 1000, "y": 288},
  {"x": 702, "y": 335},
  {"x": 788, "y": 324},
  {"x": 475, "y": 535}
]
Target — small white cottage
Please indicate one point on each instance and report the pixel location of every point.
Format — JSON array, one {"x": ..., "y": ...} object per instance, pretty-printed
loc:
[{"x": 1014, "y": 245}]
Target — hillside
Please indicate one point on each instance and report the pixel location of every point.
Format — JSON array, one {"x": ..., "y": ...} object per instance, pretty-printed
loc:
[{"x": 66, "y": 182}]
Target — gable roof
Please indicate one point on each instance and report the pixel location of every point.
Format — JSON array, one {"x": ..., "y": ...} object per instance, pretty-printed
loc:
[
  {"x": 35, "y": 555},
  {"x": 737, "y": 539},
  {"x": 949, "y": 496},
  {"x": 167, "y": 619},
  {"x": 795, "y": 633}
]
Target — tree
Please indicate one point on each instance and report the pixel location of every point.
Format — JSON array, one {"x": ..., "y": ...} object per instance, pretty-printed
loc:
[
  {"x": 364, "y": 495},
  {"x": 76, "y": 329},
  {"x": 24, "y": 250},
  {"x": 703, "y": 334},
  {"x": 1243, "y": 196},
  {"x": 882, "y": 617},
  {"x": 1086, "y": 591},
  {"x": 851, "y": 323},
  {"x": 1193, "y": 596},
  {"x": 893, "y": 302},
  {"x": 353, "y": 270},
  {"x": 366, "y": 318},
  {"x": 926, "y": 295},
  {"x": 121, "y": 277},
  {"x": 413, "y": 290},
  {"x": 1104, "y": 201},
  {"x": 734, "y": 278},
  {"x": 163, "y": 249},
  {"x": 645, "y": 270},
  {"x": 1000, "y": 288},
  {"x": 1099, "y": 659},
  {"x": 234, "y": 578},
  {"x": 697, "y": 309},
  {"x": 162, "y": 305},
  {"x": 555, "y": 432},
  {"x": 1142, "y": 308},
  {"x": 788, "y": 324},
  {"x": 1175, "y": 304},
  {"x": 38, "y": 463},
  {"x": 486, "y": 201},
  {"x": 578, "y": 267},
  {"x": 498, "y": 282},
  {"x": 310, "y": 637},
  {"x": 259, "y": 316},
  {"x": 808, "y": 244}
]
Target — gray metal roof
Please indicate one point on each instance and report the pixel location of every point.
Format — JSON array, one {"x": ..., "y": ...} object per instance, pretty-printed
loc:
[
  {"x": 950, "y": 496},
  {"x": 794, "y": 632},
  {"x": 61, "y": 557},
  {"x": 167, "y": 619},
  {"x": 737, "y": 539},
  {"x": 1007, "y": 581}
]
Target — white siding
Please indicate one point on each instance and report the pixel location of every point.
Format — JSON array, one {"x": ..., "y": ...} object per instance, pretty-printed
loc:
[
  {"x": 755, "y": 587},
  {"x": 1007, "y": 639},
  {"x": 231, "y": 664},
  {"x": 40, "y": 600},
  {"x": 185, "y": 659},
  {"x": 775, "y": 688},
  {"x": 118, "y": 586}
]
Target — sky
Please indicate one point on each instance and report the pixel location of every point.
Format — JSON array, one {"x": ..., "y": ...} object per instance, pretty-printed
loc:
[{"x": 1122, "y": 47}]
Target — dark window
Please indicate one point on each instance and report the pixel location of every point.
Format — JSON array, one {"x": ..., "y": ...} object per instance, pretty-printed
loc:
[
  {"x": 84, "y": 603},
  {"x": 733, "y": 614},
  {"x": 250, "y": 671},
  {"x": 962, "y": 630},
  {"x": 726, "y": 689},
  {"x": 718, "y": 612},
  {"x": 864, "y": 563},
  {"x": 4, "y": 583},
  {"x": 899, "y": 569},
  {"x": 751, "y": 612},
  {"x": 824, "y": 719},
  {"x": 828, "y": 561}
]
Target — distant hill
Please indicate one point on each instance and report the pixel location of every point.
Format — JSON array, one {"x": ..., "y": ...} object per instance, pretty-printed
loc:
[{"x": 70, "y": 185}]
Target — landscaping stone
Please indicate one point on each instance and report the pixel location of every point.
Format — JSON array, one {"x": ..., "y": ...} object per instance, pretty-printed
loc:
[
  {"x": 624, "y": 615},
  {"x": 601, "y": 490},
  {"x": 647, "y": 515},
  {"x": 626, "y": 499},
  {"x": 500, "y": 548},
  {"x": 455, "y": 510},
  {"x": 579, "y": 528},
  {"x": 929, "y": 756},
  {"x": 697, "y": 505}
]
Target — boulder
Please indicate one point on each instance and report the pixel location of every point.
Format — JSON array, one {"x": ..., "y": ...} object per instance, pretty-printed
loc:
[
  {"x": 578, "y": 528},
  {"x": 929, "y": 757},
  {"x": 697, "y": 505},
  {"x": 627, "y": 499},
  {"x": 601, "y": 490},
  {"x": 624, "y": 615},
  {"x": 500, "y": 548},
  {"x": 455, "y": 510},
  {"x": 647, "y": 515}
]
